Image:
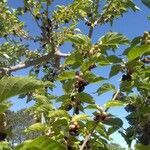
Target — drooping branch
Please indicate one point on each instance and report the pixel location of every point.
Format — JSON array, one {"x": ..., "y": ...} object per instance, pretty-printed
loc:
[{"x": 34, "y": 62}]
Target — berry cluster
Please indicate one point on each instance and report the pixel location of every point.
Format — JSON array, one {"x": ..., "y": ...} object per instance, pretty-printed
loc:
[
  {"x": 80, "y": 83},
  {"x": 145, "y": 39},
  {"x": 100, "y": 116},
  {"x": 74, "y": 129}
]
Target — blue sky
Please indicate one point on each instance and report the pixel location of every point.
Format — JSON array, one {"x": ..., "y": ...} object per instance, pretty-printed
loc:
[{"x": 131, "y": 25}]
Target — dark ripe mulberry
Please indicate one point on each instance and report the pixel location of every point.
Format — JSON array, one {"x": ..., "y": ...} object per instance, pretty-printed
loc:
[
  {"x": 2, "y": 136},
  {"x": 37, "y": 18},
  {"x": 77, "y": 73},
  {"x": 44, "y": 45},
  {"x": 73, "y": 130},
  {"x": 37, "y": 71},
  {"x": 69, "y": 148},
  {"x": 126, "y": 77},
  {"x": 25, "y": 9},
  {"x": 81, "y": 89},
  {"x": 100, "y": 116},
  {"x": 69, "y": 107},
  {"x": 92, "y": 67},
  {"x": 130, "y": 108},
  {"x": 76, "y": 110},
  {"x": 66, "y": 21},
  {"x": 88, "y": 23},
  {"x": 89, "y": 15}
]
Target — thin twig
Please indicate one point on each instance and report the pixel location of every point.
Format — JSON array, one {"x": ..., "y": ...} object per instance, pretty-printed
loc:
[
  {"x": 96, "y": 124},
  {"x": 101, "y": 17},
  {"x": 89, "y": 136},
  {"x": 90, "y": 32},
  {"x": 114, "y": 98}
]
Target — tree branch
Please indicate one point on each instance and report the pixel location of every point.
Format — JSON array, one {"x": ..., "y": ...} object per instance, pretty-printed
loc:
[
  {"x": 30, "y": 63},
  {"x": 114, "y": 98},
  {"x": 96, "y": 124},
  {"x": 89, "y": 136},
  {"x": 101, "y": 17}
]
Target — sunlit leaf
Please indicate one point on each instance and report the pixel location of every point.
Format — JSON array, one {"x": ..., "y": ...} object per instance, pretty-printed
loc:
[
  {"x": 114, "y": 103},
  {"x": 135, "y": 52},
  {"x": 41, "y": 143},
  {"x": 12, "y": 86}
]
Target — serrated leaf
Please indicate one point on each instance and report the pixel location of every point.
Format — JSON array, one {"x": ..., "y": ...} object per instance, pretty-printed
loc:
[
  {"x": 101, "y": 130},
  {"x": 114, "y": 103},
  {"x": 75, "y": 57},
  {"x": 115, "y": 69},
  {"x": 12, "y": 86},
  {"x": 79, "y": 39},
  {"x": 68, "y": 85},
  {"x": 117, "y": 122},
  {"x": 63, "y": 98},
  {"x": 114, "y": 59},
  {"x": 80, "y": 117},
  {"x": 84, "y": 97},
  {"x": 105, "y": 88},
  {"x": 113, "y": 40},
  {"x": 92, "y": 78},
  {"x": 85, "y": 65},
  {"x": 66, "y": 75},
  {"x": 58, "y": 113},
  {"x": 135, "y": 52},
  {"x": 92, "y": 106},
  {"x": 36, "y": 128},
  {"x": 41, "y": 143},
  {"x": 112, "y": 129}
]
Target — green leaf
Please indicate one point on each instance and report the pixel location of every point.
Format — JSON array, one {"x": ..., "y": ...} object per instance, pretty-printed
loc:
[
  {"x": 112, "y": 129},
  {"x": 58, "y": 113},
  {"x": 114, "y": 103},
  {"x": 113, "y": 40},
  {"x": 5, "y": 146},
  {"x": 12, "y": 86},
  {"x": 80, "y": 117},
  {"x": 92, "y": 78},
  {"x": 105, "y": 88},
  {"x": 85, "y": 65},
  {"x": 135, "y": 52},
  {"x": 92, "y": 106},
  {"x": 84, "y": 97},
  {"x": 101, "y": 130},
  {"x": 142, "y": 147},
  {"x": 80, "y": 39},
  {"x": 146, "y": 2},
  {"x": 36, "y": 128},
  {"x": 68, "y": 86},
  {"x": 114, "y": 59},
  {"x": 4, "y": 107},
  {"x": 41, "y": 143},
  {"x": 115, "y": 69},
  {"x": 117, "y": 122},
  {"x": 63, "y": 98},
  {"x": 75, "y": 57},
  {"x": 66, "y": 75}
]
